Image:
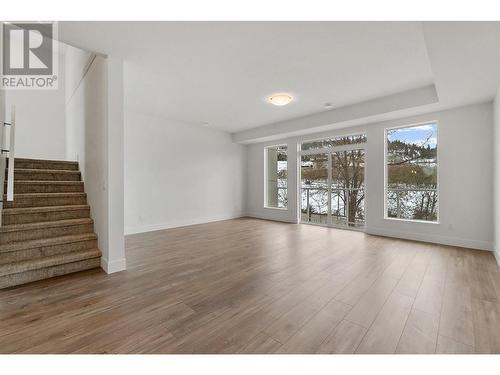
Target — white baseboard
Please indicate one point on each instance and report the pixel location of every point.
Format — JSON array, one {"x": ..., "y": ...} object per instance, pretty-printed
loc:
[
  {"x": 179, "y": 223},
  {"x": 114, "y": 266},
  {"x": 433, "y": 238}
]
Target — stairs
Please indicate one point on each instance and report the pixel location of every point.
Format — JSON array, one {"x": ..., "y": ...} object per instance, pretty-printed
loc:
[{"x": 47, "y": 230}]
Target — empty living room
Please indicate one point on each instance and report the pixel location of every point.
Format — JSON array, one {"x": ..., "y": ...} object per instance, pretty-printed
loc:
[{"x": 259, "y": 188}]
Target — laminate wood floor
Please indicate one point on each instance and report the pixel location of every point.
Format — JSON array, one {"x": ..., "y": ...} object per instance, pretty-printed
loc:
[{"x": 255, "y": 286}]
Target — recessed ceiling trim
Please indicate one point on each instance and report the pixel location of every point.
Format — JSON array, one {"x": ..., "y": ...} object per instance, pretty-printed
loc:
[{"x": 401, "y": 101}]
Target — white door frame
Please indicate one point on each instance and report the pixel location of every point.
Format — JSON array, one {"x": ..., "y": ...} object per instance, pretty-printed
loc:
[{"x": 329, "y": 151}]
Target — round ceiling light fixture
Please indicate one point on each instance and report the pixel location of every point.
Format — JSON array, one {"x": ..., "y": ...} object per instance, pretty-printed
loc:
[{"x": 280, "y": 99}]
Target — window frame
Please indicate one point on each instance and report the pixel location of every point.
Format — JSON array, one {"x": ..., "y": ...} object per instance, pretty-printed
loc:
[
  {"x": 330, "y": 150},
  {"x": 386, "y": 173},
  {"x": 266, "y": 176}
]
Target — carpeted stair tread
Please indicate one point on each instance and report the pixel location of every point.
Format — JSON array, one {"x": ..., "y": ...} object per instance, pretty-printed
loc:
[
  {"x": 28, "y": 210},
  {"x": 50, "y": 186},
  {"x": 46, "y": 174},
  {"x": 29, "y": 265},
  {"x": 24, "y": 215},
  {"x": 38, "y": 170},
  {"x": 46, "y": 182},
  {"x": 48, "y": 272},
  {"x": 42, "y": 161},
  {"x": 44, "y": 224},
  {"x": 48, "y": 195},
  {"x": 45, "y": 199},
  {"x": 44, "y": 242},
  {"x": 45, "y": 164}
]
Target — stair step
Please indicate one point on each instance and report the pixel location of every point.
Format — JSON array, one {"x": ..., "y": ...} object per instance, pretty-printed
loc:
[
  {"x": 46, "y": 242},
  {"x": 27, "y": 215},
  {"x": 45, "y": 164},
  {"x": 45, "y": 199},
  {"x": 34, "y": 231},
  {"x": 46, "y": 175},
  {"x": 23, "y": 187},
  {"x": 25, "y": 250},
  {"x": 33, "y": 264},
  {"x": 48, "y": 272}
]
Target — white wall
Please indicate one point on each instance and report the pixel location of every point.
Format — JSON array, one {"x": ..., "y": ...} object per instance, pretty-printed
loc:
[
  {"x": 496, "y": 163},
  {"x": 77, "y": 64},
  {"x": 465, "y": 167},
  {"x": 94, "y": 115},
  {"x": 80, "y": 61},
  {"x": 2, "y": 107},
  {"x": 40, "y": 120},
  {"x": 179, "y": 174}
]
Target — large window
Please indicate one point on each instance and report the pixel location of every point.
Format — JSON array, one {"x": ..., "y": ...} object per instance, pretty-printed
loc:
[
  {"x": 412, "y": 170},
  {"x": 276, "y": 177}
]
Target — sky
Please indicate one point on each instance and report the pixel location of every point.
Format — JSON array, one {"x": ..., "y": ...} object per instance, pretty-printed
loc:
[{"x": 416, "y": 134}]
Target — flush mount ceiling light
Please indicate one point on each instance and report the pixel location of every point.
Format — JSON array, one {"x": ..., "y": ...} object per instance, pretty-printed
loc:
[{"x": 280, "y": 99}]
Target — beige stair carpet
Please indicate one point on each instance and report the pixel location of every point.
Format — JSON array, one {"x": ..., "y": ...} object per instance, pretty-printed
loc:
[{"x": 47, "y": 230}]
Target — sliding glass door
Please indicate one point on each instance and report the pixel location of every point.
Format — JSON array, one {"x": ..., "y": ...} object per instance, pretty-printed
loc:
[{"x": 332, "y": 186}]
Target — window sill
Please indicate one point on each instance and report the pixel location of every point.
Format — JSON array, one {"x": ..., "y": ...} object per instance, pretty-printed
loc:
[
  {"x": 411, "y": 220},
  {"x": 276, "y": 208}
]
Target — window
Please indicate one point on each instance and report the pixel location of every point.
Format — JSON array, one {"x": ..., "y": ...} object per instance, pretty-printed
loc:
[
  {"x": 334, "y": 142},
  {"x": 412, "y": 167},
  {"x": 276, "y": 177}
]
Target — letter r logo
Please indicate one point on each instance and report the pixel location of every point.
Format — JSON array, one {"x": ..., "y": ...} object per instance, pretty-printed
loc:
[{"x": 27, "y": 49}]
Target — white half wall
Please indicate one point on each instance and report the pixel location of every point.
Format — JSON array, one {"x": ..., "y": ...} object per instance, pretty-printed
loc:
[
  {"x": 465, "y": 167},
  {"x": 94, "y": 114},
  {"x": 180, "y": 174},
  {"x": 496, "y": 163}
]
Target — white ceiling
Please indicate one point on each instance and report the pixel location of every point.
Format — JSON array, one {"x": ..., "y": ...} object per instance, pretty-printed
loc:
[
  {"x": 465, "y": 60},
  {"x": 221, "y": 72}
]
